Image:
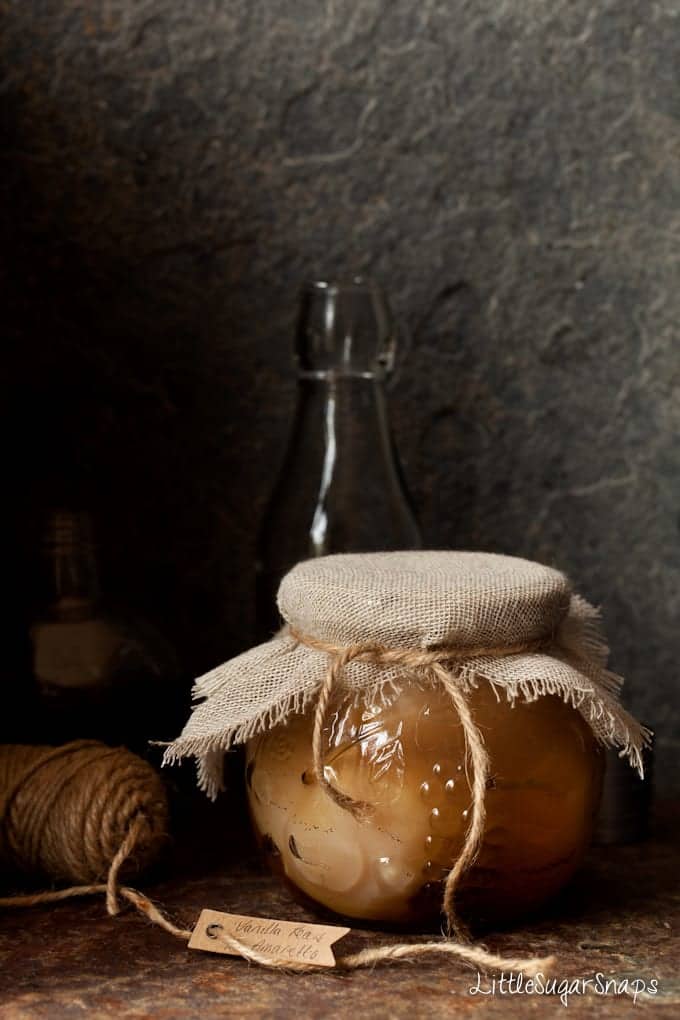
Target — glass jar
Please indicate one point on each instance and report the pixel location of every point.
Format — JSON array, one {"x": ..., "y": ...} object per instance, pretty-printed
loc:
[
  {"x": 406, "y": 757},
  {"x": 424, "y": 715}
]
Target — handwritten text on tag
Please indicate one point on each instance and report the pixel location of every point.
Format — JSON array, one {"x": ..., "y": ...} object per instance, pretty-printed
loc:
[{"x": 280, "y": 941}]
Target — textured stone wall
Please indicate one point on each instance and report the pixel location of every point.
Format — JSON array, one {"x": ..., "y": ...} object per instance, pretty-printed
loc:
[{"x": 509, "y": 170}]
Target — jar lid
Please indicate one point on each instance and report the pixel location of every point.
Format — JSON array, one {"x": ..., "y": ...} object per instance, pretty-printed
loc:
[
  {"x": 506, "y": 621},
  {"x": 424, "y": 599}
]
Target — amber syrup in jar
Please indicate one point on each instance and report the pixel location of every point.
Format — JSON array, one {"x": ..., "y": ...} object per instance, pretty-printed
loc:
[{"x": 405, "y": 755}]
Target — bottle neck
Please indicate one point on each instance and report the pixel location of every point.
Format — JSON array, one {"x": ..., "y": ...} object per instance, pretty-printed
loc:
[
  {"x": 342, "y": 441},
  {"x": 70, "y": 586},
  {"x": 348, "y": 413}
]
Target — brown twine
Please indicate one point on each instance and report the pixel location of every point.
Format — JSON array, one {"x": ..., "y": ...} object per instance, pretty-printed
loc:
[
  {"x": 67, "y": 811},
  {"x": 476, "y": 955},
  {"x": 95, "y": 783}
]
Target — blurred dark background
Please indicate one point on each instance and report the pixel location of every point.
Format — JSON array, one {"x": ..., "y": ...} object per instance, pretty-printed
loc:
[{"x": 509, "y": 171}]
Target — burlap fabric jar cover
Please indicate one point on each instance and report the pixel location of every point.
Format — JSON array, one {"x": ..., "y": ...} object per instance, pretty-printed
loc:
[{"x": 367, "y": 627}]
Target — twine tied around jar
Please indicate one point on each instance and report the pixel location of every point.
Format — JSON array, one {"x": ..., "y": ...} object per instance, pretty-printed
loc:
[{"x": 430, "y": 663}]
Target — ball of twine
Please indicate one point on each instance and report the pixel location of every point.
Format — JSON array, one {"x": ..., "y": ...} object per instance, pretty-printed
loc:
[{"x": 65, "y": 812}]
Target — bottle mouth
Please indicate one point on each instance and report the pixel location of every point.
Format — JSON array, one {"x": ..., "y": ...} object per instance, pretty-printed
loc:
[
  {"x": 344, "y": 328},
  {"x": 352, "y": 284}
]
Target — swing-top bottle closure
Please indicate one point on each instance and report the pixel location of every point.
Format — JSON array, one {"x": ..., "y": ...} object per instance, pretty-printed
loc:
[{"x": 345, "y": 329}]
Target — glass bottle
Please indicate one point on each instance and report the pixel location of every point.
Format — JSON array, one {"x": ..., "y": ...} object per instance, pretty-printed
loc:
[
  {"x": 341, "y": 488},
  {"x": 98, "y": 674}
]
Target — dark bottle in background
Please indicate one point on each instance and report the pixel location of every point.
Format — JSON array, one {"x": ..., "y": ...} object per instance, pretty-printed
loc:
[
  {"x": 341, "y": 488},
  {"x": 97, "y": 673}
]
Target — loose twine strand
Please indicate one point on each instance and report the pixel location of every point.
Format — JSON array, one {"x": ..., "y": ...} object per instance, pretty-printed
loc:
[
  {"x": 364, "y": 958},
  {"x": 142, "y": 828}
]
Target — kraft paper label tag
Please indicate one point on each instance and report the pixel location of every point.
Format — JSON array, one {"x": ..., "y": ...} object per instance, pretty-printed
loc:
[{"x": 281, "y": 941}]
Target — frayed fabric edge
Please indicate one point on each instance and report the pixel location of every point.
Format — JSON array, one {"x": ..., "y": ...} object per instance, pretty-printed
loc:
[{"x": 611, "y": 725}]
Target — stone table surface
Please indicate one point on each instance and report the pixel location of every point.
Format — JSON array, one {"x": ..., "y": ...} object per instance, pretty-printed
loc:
[{"x": 620, "y": 918}]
